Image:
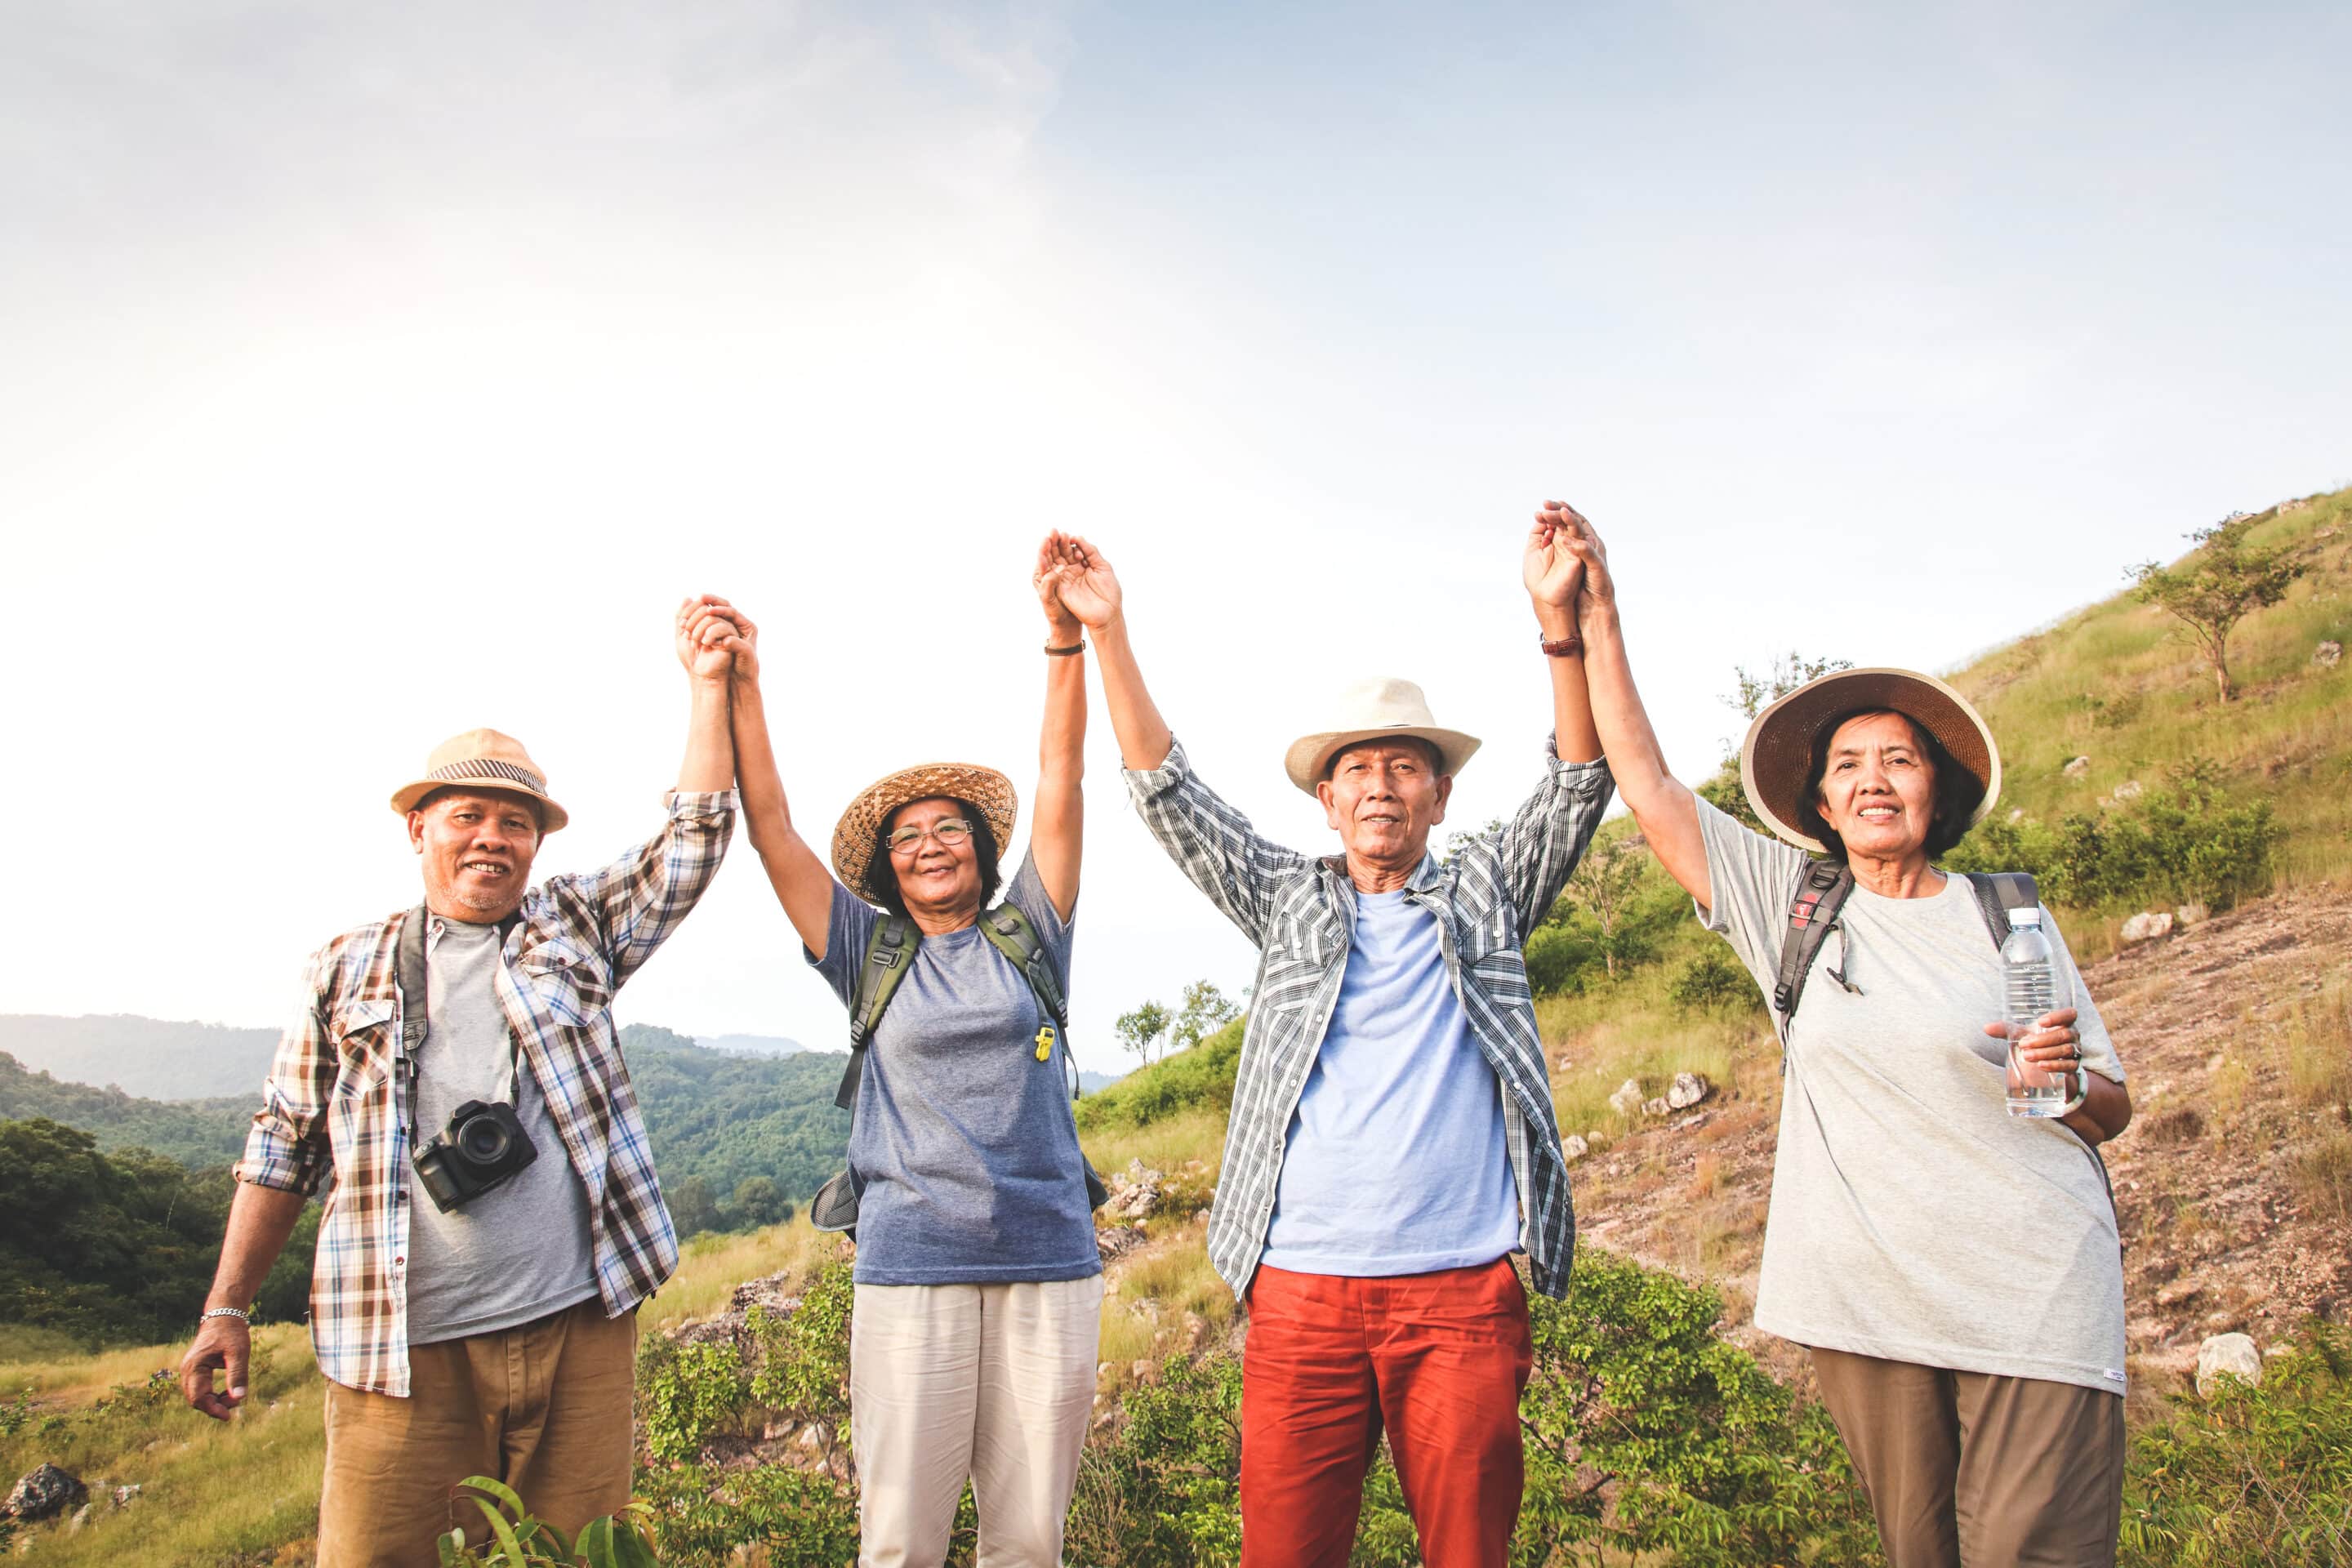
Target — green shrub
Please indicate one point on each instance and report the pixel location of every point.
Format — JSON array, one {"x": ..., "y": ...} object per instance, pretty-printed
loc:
[
  {"x": 686, "y": 1393},
  {"x": 521, "y": 1539},
  {"x": 1184, "y": 1080},
  {"x": 708, "y": 1519},
  {"x": 2186, "y": 841},
  {"x": 1712, "y": 982},
  {"x": 805, "y": 1359},
  {"x": 1165, "y": 1492},
  {"x": 1646, "y": 1433},
  {"x": 2252, "y": 1474}
]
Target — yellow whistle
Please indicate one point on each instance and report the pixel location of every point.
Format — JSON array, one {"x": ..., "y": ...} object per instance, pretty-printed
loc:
[{"x": 1046, "y": 1042}]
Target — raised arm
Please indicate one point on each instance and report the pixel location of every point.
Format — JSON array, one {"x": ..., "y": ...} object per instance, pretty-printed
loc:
[
  {"x": 1661, "y": 804},
  {"x": 801, "y": 882},
  {"x": 1057, "y": 825},
  {"x": 1553, "y": 573},
  {"x": 1090, "y": 589}
]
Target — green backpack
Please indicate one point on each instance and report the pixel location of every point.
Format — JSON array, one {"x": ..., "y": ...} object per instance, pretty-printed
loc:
[{"x": 889, "y": 953}]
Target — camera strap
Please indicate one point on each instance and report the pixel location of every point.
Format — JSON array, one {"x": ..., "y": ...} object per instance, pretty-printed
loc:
[{"x": 409, "y": 970}]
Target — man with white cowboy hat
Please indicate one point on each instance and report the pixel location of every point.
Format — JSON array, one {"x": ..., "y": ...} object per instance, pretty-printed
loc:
[
  {"x": 494, "y": 1220},
  {"x": 1391, "y": 1141}
]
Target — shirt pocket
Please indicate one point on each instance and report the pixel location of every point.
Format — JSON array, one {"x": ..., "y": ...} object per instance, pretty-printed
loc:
[
  {"x": 1489, "y": 952},
  {"x": 360, "y": 1032},
  {"x": 571, "y": 981}
]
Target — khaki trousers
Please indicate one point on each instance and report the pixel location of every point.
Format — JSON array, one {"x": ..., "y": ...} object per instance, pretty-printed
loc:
[
  {"x": 544, "y": 1407},
  {"x": 1967, "y": 1469},
  {"x": 992, "y": 1383}
]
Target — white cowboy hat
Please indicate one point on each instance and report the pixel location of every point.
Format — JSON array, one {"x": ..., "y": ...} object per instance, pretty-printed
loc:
[{"x": 1376, "y": 710}]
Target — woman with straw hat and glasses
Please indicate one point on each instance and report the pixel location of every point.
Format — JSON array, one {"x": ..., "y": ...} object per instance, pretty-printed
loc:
[
  {"x": 1955, "y": 1271},
  {"x": 979, "y": 1286}
]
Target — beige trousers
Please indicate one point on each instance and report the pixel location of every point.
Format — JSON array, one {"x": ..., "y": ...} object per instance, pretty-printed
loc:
[
  {"x": 1969, "y": 1470},
  {"x": 543, "y": 1407},
  {"x": 990, "y": 1383}
]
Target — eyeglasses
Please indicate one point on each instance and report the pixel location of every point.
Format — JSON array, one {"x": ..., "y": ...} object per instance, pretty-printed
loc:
[{"x": 950, "y": 832}]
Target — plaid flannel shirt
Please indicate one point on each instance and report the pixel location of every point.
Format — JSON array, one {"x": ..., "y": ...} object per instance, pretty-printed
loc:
[
  {"x": 337, "y": 1098},
  {"x": 1299, "y": 911}
]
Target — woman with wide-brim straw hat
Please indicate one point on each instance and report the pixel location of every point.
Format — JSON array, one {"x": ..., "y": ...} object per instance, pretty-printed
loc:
[
  {"x": 979, "y": 1286},
  {"x": 1955, "y": 1271}
]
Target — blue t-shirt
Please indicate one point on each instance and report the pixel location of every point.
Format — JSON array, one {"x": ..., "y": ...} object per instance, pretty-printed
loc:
[
  {"x": 964, "y": 1139},
  {"x": 1395, "y": 1161}
]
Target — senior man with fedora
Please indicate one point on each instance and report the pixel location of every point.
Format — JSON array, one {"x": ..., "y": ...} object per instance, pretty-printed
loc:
[
  {"x": 494, "y": 1220},
  {"x": 1391, "y": 1140}
]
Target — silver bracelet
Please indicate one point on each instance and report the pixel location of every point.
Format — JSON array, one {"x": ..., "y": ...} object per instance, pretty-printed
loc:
[{"x": 241, "y": 1314}]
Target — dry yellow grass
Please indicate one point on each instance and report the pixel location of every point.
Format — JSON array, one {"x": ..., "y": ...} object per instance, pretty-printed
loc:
[{"x": 711, "y": 1265}]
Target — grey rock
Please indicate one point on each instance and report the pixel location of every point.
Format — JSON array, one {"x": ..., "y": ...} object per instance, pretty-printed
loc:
[
  {"x": 2128, "y": 790},
  {"x": 1574, "y": 1147},
  {"x": 43, "y": 1493},
  {"x": 2289, "y": 508},
  {"x": 1627, "y": 1101},
  {"x": 2077, "y": 767},
  {"x": 2233, "y": 1353},
  {"x": 2191, "y": 914},
  {"x": 2328, "y": 655},
  {"x": 80, "y": 1518},
  {"x": 1690, "y": 1089},
  {"x": 2148, "y": 925},
  {"x": 1134, "y": 1192},
  {"x": 1657, "y": 1107}
]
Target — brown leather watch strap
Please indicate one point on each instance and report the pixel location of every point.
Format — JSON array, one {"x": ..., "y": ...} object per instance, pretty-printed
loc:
[{"x": 1568, "y": 647}]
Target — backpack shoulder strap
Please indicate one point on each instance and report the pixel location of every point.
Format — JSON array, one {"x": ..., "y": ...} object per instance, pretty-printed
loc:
[
  {"x": 1998, "y": 892},
  {"x": 1010, "y": 933},
  {"x": 1812, "y": 914},
  {"x": 408, "y": 969},
  {"x": 889, "y": 953}
]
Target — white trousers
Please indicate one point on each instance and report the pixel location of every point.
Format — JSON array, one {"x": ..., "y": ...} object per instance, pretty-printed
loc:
[{"x": 990, "y": 1383}]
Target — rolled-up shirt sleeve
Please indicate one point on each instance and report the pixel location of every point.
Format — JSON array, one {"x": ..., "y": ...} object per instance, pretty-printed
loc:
[
  {"x": 1547, "y": 836},
  {"x": 638, "y": 900},
  {"x": 285, "y": 1148}
]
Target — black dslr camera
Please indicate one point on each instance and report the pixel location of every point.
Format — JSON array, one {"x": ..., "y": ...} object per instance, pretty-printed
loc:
[{"x": 483, "y": 1145}]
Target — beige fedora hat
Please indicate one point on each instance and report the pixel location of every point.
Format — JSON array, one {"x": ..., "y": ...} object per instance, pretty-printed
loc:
[
  {"x": 482, "y": 759},
  {"x": 1381, "y": 709},
  {"x": 1779, "y": 750},
  {"x": 855, "y": 835}
]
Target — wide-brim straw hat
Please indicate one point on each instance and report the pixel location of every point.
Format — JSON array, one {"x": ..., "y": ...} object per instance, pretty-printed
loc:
[
  {"x": 482, "y": 759},
  {"x": 1381, "y": 709},
  {"x": 854, "y": 837},
  {"x": 1779, "y": 750}
]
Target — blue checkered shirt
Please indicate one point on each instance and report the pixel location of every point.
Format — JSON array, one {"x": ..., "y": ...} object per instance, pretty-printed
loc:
[
  {"x": 335, "y": 1101},
  {"x": 1299, "y": 909}
]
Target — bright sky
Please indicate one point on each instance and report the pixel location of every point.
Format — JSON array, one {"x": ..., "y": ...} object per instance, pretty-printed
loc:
[{"x": 371, "y": 373}]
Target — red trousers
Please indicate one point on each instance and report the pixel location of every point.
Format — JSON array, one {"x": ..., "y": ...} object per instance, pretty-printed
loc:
[{"x": 1437, "y": 1360}]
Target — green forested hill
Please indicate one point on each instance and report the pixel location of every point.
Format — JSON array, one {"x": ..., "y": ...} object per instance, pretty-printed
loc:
[
  {"x": 723, "y": 1120},
  {"x": 196, "y": 1132}
]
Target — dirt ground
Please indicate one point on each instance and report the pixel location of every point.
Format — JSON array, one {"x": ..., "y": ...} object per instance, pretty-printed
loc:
[{"x": 2225, "y": 1226}]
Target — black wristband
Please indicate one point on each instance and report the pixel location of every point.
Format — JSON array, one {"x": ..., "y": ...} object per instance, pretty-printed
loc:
[{"x": 1074, "y": 647}]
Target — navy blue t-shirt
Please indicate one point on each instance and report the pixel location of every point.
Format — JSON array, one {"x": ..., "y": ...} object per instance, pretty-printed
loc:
[{"x": 964, "y": 1139}]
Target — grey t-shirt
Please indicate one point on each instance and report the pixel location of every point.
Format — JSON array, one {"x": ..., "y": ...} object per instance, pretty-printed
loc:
[
  {"x": 520, "y": 1250},
  {"x": 964, "y": 1139},
  {"x": 1912, "y": 1219}
]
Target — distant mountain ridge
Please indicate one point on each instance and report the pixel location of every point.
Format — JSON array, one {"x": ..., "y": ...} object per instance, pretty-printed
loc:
[{"x": 148, "y": 1058}]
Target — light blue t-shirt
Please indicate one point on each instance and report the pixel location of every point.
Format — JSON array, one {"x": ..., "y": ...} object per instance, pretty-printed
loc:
[{"x": 1395, "y": 1161}]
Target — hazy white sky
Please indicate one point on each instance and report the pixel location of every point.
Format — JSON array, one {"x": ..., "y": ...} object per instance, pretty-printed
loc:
[{"x": 367, "y": 374}]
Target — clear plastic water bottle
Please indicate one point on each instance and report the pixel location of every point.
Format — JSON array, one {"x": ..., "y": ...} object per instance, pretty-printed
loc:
[{"x": 2032, "y": 971}]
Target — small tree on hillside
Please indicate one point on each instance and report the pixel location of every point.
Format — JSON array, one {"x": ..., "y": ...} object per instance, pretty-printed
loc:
[
  {"x": 1784, "y": 675},
  {"x": 1206, "y": 1010},
  {"x": 2221, "y": 582},
  {"x": 1140, "y": 1031},
  {"x": 1604, "y": 883}
]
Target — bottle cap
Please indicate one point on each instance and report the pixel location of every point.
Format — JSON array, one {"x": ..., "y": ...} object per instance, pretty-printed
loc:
[{"x": 2020, "y": 918}]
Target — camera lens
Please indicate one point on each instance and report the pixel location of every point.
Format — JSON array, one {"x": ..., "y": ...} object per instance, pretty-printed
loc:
[{"x": 482, "y": 1141}]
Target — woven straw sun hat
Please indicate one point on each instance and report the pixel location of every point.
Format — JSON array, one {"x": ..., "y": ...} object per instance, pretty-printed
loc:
[
  {"x": 1779, "y": 750},
  {"x": 1381, "y": 709},
  {"x": 482, "y": 759},
  {"x": 854, "y": 835}
]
